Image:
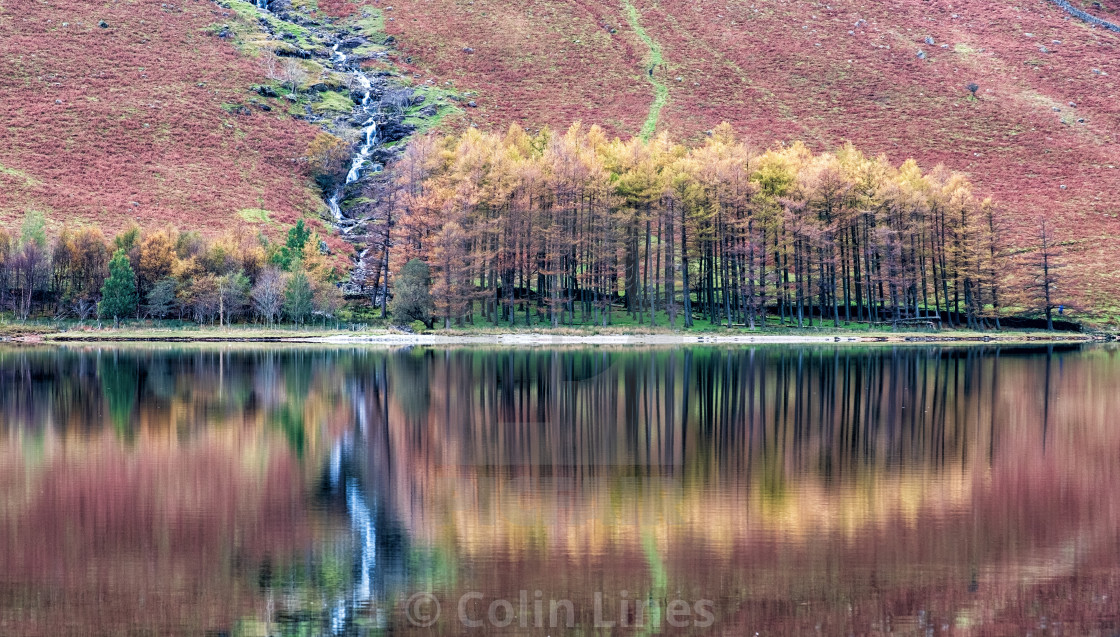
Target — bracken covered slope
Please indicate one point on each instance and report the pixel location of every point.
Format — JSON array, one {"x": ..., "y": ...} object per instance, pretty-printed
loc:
[
  {"x": 135, "y": 120},
  {"x": 1040, "y": 136},
  {"x": 104, "y": 125}
]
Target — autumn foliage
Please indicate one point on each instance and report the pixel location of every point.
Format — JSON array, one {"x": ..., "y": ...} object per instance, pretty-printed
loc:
[
  {"x": 571, "y": 228},
  {"x": 165, "y": 274},
  {"x": 1038, "y": 133}
]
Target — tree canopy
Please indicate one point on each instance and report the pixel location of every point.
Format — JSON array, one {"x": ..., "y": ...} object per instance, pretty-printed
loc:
[{"x": 565, "y": 228}]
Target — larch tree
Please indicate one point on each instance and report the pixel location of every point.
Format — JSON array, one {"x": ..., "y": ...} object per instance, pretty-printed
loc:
[
  {"x": 1045, "y": 263},
  {"x": 565, "y": 227},
  {"x": 451, "y": 283}
]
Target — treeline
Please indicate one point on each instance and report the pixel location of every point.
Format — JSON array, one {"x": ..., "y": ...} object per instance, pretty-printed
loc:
[
  {"x": 166, "y": 274},
  {"x": 572, "y": 227}
]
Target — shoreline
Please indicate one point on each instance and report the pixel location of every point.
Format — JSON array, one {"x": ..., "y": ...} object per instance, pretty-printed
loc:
[{"x": 544, "y": 339}]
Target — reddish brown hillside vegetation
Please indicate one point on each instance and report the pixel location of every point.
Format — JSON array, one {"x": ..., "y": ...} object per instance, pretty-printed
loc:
[
  {"x": 104, "y": 125},
  {"x": 1040, "y": 134}
]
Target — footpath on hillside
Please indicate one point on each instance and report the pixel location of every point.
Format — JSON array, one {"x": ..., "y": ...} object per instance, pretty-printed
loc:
[{"x": 660, "y": 90}]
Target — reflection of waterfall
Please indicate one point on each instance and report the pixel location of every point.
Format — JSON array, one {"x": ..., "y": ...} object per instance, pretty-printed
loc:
[
  {"x": 336, "y": 466},
  {"x": 352, "y": 484},
  {"x": 362, "y": 512},
  {"x": 361, "y": 595},
  {"x": 362, "y": 519}
]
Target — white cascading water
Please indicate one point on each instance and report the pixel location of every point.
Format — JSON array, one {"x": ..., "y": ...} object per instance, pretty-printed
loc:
[
  {"x": 369, "y": 134},
  {"x": 369, "y": 130},
  {"x": 369, "y": 137}
]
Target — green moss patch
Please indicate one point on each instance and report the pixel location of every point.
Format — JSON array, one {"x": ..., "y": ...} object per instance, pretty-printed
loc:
[
  {"x": 255, "y": 215},
  {"x": 333, "y": 102}
]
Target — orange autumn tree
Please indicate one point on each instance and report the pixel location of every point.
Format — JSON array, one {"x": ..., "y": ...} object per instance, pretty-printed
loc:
[
  {"x": 177, "y": 275},
  {"x": 566, "y": 228}
]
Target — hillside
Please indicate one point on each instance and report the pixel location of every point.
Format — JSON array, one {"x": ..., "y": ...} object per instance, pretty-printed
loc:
[
  {"x": 150, "y": 118},
  {"x": 138, "y": 120},
  {"x": 1040, "y": 136}
]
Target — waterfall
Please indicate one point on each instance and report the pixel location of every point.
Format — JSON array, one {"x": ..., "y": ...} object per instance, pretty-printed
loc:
[
  {"x": 332, "y": 204},
  {"x": 369, "y": 136},
  {"x": 369, "y": 132},
  {"x": 369, "y": 140}
]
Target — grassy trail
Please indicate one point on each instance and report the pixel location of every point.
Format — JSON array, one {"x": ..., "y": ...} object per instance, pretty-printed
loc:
[{"x": 660, "y": 90}]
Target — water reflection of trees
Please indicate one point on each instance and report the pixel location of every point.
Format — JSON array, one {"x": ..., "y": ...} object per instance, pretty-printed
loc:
[
  {"x": 162, "y": 391},
  {"x": 831, "y": 413},
  {"x": 851, "y": 488},
  {"x": 157, "y": 491},
  {"x": 897, "y": 481}
]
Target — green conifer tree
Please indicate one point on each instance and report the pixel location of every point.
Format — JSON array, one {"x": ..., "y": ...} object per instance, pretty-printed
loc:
[{"x": 118, "y": 293}]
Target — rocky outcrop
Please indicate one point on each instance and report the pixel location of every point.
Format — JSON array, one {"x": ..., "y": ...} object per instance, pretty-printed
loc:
[
  {"x": 352, "y": 43},
  {"x": 394, "y": 130}
]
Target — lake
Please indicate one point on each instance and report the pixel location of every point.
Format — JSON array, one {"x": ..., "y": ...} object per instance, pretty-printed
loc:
[{"x": 240, "y": 490}]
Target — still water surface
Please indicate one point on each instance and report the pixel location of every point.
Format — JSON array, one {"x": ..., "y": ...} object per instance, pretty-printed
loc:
[{"x": 777, "y": 490}]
